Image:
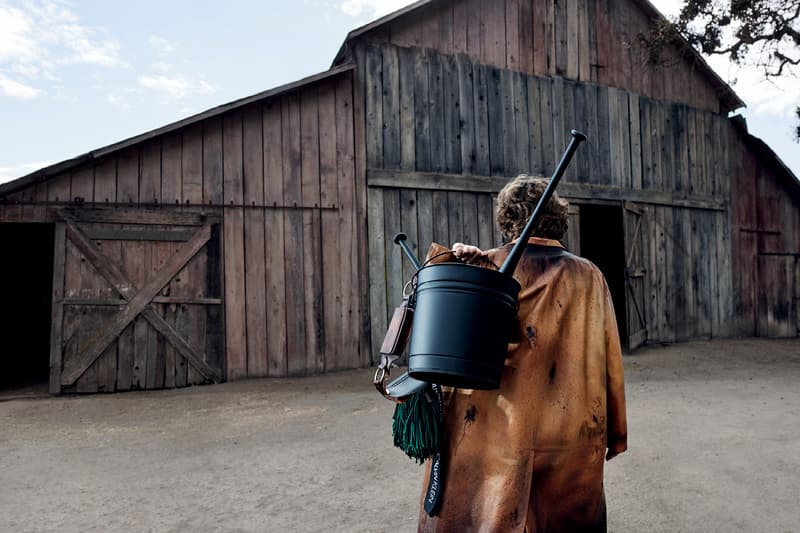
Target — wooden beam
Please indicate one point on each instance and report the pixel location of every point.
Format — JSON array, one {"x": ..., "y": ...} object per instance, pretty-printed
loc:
[
  {"x": 571, "y": 191},
  {"x": 133, "y": 216},
  {"x": 177, "y": 300},
  {"x": 181, "y": 345},
  {"x": 163, "y": 234},
  {"x": 58, "y": 309},
  {"x": 110, "y": 330}
]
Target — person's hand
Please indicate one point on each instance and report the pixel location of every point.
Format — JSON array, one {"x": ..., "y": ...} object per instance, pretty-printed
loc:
[{"x": 467, "y": 252}]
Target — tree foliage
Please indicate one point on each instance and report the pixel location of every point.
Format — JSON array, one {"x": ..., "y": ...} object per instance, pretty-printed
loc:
[{"x": 763, "y": 33}]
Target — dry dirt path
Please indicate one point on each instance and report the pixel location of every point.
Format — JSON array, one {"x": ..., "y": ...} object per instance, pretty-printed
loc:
[{"x": 714, "y": 446}]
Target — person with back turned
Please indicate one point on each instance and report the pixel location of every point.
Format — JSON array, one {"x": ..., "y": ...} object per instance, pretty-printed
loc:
[{"x": 529, "y": 456}]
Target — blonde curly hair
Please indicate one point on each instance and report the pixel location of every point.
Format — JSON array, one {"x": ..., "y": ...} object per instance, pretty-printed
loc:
[{"x": 516, "y": 202}]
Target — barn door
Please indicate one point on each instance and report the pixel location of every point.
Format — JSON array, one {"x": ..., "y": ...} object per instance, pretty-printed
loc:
[
  {"x": 634, "y": 227},
  {"x": 137, "y": 301}
]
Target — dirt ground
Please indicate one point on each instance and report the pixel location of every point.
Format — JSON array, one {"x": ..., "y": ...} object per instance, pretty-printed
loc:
[{"x": 714, "y": 447}]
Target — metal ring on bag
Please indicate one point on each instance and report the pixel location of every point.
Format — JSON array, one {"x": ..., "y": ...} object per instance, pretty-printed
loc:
[{"x": 408, "y": 284}]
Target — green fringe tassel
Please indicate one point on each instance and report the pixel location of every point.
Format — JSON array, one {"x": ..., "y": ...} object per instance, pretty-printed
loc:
[{"x": 416, "y": 426}]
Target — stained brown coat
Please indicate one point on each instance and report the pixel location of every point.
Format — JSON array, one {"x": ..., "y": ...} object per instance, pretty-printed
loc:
[{"x": 529, "y": 456}]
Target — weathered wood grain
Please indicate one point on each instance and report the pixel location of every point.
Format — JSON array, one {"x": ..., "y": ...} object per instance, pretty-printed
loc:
[
  {"x": 407, "y": 118},
  {"x": 373, "y": 90},
  {"x": 634, "y": 129},
  {"x": 425, "y": 217},
  {"x": 377, "y": 266},
  {"x": 391, "y": 107},
  {"x": 522, "y": 134},
  {"x": 150, "y": 173},
  {"x": 57, "y": 316},
  {"x": 82, "y": 187},
  {"x": 107, "y": 362},
  {"x": 495, "y": 112},
  {"x": 571, "y": 12},
  {"x": 436, "y": 124},
  {"x": 525, "y": 24},
  {"x": 311, "y": 251},
  {"x": 212, "y": 162},
  {"x": 512, "y": 34},
  {"x": 294, "y": 244},
  {"x": 481, "y": 116},
  {"x": 192, "y": 165},
  {"x": 105, "y": 181},
  {"x": 466, "y": 114},
  {"x": 394, "y": 256},
  {"x": 422, "y": 147},
  {"x": 255, "y": 292},
  {"x": 455, "y": 217},
  {"x": 452, "y": 128},
  {"x": 353, "y": 227},
  {"x": 485, "y": 222},
  {"x": 232, "y": 159},
  {"x": 252, "y": 157},
  {"x": 313, "y": 298},
  {"x": 171, "y": 171},
  {"x": 409, "y": 224}
]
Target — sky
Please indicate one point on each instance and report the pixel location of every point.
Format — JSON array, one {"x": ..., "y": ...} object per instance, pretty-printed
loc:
[{"x": 76, "y": 75}]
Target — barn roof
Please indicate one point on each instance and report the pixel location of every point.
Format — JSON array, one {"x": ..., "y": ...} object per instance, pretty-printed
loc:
[
  {"x": 728, "y": 97},
  {"x": 57, "y": 168}
]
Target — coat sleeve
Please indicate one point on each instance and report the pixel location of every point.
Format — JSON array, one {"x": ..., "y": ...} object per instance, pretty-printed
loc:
[
  {"x": 615, "y": 385},
  {"x": 438, "y": 254}
]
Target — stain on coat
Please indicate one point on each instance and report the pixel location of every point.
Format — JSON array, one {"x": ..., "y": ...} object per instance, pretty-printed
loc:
[
  {"x": 530, "y": 331},
  {"x": 469, "y": 415}
]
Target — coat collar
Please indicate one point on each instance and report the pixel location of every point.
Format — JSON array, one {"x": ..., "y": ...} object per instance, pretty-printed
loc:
[{"x": 542, "y": 242}]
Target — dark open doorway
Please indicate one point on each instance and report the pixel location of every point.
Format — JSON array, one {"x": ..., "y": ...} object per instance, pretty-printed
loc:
[
  {"x": 603, "y": 243},
  {"x": 26, "y": 282}
]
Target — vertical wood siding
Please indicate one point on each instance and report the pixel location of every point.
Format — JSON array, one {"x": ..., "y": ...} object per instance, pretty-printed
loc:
[
  {"x": 282, "y": 172},
  {"x": 509, "y": 122},
  {"x": 765, "y": 219},
  {"x": 584, "y": 40}
]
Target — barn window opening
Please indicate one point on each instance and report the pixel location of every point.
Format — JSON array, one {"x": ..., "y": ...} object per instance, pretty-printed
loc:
[
  {"x": 603, "y": 243},
  {"x": 26, "y": 279}
]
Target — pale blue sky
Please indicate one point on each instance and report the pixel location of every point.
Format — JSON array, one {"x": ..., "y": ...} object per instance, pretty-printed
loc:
[{"x": 77, "y": 75}]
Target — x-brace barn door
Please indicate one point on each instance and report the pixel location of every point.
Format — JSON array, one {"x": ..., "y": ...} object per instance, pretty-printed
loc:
[
  {"x": 137, "y": 301},
  {"x": 635, "y": 231}
]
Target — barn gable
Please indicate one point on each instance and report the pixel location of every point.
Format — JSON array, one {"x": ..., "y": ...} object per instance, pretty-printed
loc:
[{"x": 583, "y": 40}]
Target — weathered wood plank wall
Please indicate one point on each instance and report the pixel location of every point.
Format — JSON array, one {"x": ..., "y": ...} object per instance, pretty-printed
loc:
[
  {"x": 584, "y": 40},
  {"x": 139, "y": 356},
  {"x": 766, "y": 248},
  {"x": 282, "y": 172},
  {"x": 666, "y": 157}
]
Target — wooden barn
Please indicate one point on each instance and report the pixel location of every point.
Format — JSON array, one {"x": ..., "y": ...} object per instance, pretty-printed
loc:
[{"x": 254, "y": 239}]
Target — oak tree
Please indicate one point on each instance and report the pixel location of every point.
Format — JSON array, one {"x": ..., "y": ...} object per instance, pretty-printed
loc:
[{"x": 763, "y": 33}]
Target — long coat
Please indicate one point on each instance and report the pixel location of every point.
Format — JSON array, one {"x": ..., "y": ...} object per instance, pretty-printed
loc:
[{"x": 529, "y": 456}]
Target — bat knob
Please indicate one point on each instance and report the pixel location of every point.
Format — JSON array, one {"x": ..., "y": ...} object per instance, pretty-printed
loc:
[{"x": 400, "y": 237}]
